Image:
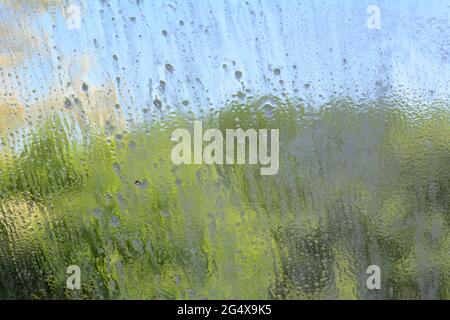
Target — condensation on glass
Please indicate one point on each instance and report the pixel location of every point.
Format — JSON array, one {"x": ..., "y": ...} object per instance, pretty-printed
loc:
[{"x": 92, "y": 207}]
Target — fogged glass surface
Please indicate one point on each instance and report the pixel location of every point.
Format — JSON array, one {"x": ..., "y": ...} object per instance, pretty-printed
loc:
[{"x": 93, "y": 205}]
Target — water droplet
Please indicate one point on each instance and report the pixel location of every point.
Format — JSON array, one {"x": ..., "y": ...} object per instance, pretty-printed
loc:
[
  {"x": 115, "y": 221},
  {"x": 85, "y": 87},
  {"x": 169, "y": 67},
  {"x": 157, "y": 103},
  {"x": 98, "y": 213}
]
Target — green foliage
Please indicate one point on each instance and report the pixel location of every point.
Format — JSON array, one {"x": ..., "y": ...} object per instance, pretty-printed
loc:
[{"x": 358, "y": 185}]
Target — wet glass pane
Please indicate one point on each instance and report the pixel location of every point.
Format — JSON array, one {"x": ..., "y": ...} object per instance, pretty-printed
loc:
[{"x": 224, "y": 149}]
